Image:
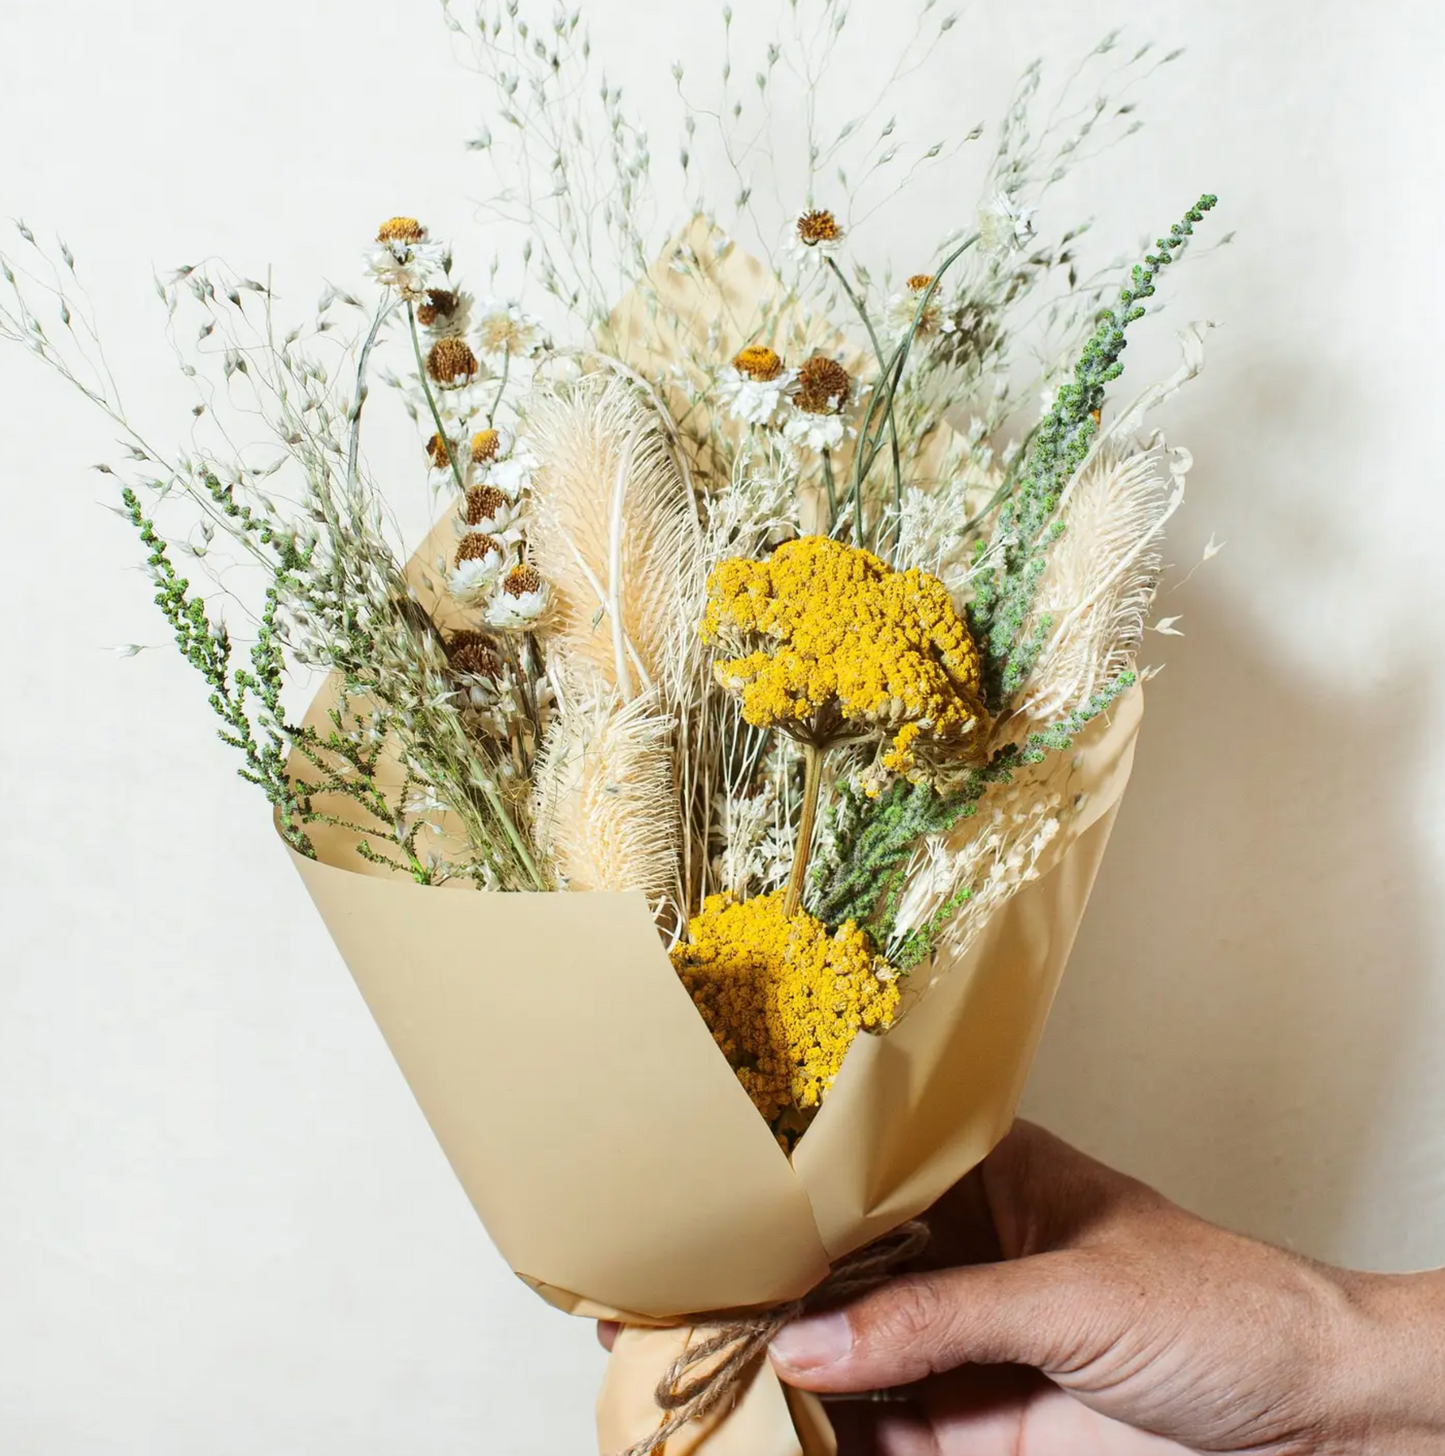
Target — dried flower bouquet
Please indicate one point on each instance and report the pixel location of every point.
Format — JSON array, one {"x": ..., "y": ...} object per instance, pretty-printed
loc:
[{"x": 791, "y": 612}]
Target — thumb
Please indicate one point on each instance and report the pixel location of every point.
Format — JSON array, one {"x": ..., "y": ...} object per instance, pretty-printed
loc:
[{"x": 1048, "y": 1311}]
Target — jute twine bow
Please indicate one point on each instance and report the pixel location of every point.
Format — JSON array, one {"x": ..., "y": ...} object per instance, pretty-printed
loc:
[{"x": 713, "y": 1369}]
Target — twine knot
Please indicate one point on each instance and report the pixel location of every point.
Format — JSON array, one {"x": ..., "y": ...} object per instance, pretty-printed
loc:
[{"x": 712, "y": 1369}]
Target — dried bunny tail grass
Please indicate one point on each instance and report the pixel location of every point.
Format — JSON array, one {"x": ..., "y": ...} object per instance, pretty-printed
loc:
[
  {"x": 603, "y": 799},
  {"x": 615, "y": 532},
  {"x": 1103, "y": 572}
]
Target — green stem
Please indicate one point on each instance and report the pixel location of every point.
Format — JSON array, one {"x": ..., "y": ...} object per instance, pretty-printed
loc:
[
  {"x": 353, "y": 449},
  {"x": 501, "y": 388},
  {"x": 893, "y": 373},
  {"x": 494, "y": 799},
  {"x": 862, "y": 313},
  {"x": 830, "y": 488},
  {"x": 812, "y": 786},
  {"x": 431, "y": 402}
]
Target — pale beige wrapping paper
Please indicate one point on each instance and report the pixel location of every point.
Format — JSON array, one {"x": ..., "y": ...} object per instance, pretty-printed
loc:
[{"x": 606, "y": 1143}]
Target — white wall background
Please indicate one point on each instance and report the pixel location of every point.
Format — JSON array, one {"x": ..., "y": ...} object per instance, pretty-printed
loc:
[{"x": 224, "y": 1227}]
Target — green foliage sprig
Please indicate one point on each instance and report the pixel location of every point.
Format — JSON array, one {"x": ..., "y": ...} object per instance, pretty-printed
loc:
[
  {"x": 248, "y": 699},
  {"x": 860, "y": 875},
  {"x": 1027, "y": 525},
  {"x": 206, "y": 645}
]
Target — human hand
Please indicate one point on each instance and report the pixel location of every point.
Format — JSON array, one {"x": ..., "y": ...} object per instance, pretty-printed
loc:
[{"x": 1068, "y": 1309}]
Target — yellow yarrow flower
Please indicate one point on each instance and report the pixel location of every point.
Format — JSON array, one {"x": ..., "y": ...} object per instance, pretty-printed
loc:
[
  {"x": 782, "y": 997},
  {"x": 851, "y": 645}
]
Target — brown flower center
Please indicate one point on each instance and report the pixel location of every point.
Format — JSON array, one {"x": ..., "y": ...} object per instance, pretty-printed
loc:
[
  {"x": 440, "y": 303},
  {"x": 823, "y": 385},
  {"x": 920, "y": 282},
  {"x": 522, "y": 579},
  {"x": 819, "y": 226},
  {"x": 400, "y": 230},
  {"x": 476, "y": 547},
  {"x": 483, "y": 503},
  {"x": 486, "y": 445},
  {"x": 439, "y": 451},
  {"x": 475, "y": 654},
  {"x": 451, "y": 361}
]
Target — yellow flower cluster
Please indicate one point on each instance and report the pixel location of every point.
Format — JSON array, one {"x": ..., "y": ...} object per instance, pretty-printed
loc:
[
  {"x": 856, "y": 643},
  {"x": 783, "y": 998}
]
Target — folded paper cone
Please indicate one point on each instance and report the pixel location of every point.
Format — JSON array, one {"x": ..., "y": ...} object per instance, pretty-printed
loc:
[{"x": 606, "y": 1143}]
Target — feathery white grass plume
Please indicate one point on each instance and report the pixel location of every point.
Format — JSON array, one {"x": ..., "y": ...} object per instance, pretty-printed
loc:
[
  {"x": 603, "y": 799},
  {"x": 615, "y": 532},
  {"x": 1103, "y": 571}
]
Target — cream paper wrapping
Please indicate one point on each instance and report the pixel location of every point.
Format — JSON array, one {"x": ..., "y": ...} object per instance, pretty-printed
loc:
[
  {"x": 607, "y": 1145},
  {"x": 600, "y": 1134}
]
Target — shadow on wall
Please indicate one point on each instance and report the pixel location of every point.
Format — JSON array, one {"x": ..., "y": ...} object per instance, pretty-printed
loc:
[{"x": 1252, "y": 963}]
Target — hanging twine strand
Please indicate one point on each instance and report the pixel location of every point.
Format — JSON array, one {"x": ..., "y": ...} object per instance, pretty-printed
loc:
[{"x": 713, "y": 1369}]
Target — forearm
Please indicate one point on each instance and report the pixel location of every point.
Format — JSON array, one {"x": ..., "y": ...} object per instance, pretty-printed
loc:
[{"x": 1391, "y": 1377}]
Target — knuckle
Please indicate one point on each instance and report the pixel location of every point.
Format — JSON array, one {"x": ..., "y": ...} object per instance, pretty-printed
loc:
[{"x": 909, "y": 1324}]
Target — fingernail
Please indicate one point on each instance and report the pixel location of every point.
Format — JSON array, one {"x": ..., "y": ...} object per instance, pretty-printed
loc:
[{"x": 808, "y": 1344}]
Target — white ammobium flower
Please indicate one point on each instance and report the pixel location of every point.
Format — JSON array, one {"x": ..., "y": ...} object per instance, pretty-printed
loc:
[
  {"x": 753, "y": 386},
  {"x": 505, "y": 330},
  {"x": 814, "y": 432},
  {"x": 490, "y": 511},
  {"x": 823, "y": 391},
  {"x": 902, "y": 309},
  {"x": 521, "y": 601},
  {"x": 513, "y": 474},
  {"x": 1003, "y": 226},
  {"x": 460, "y": 404},
  {"x": 815, "y": 234},
  {"x": 444, "y": 312},
  {"x": 753, "y": 401},
  {"x": 404, "y": 259},
  {"x": 480, "y": 560}
]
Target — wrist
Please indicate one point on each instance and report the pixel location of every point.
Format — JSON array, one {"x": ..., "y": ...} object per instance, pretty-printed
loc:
[{"x": 1386, "y": 1391}]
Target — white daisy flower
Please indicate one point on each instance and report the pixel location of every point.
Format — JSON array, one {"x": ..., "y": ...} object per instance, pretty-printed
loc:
[
  {"x": 490, "y": 511},
  {"x": 521, "y": 602},
  {"x": 752, "y": 400},
  {"x": 814, "y": 432},
  {"x": 504, "y": 329},
  {"x": 460, "y": 404},
  {"x": 489, "y": 445},
  {"x": 902, "y": 309},
  {"x": 444, "y": 312},
  {"x": 404, "y": 259},
  {"x": 1003, "y": 226},
  {"x": 514, "y": 474},
  {"x": 480, "y": 560},
  {"x": 815, "y": 234}
]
